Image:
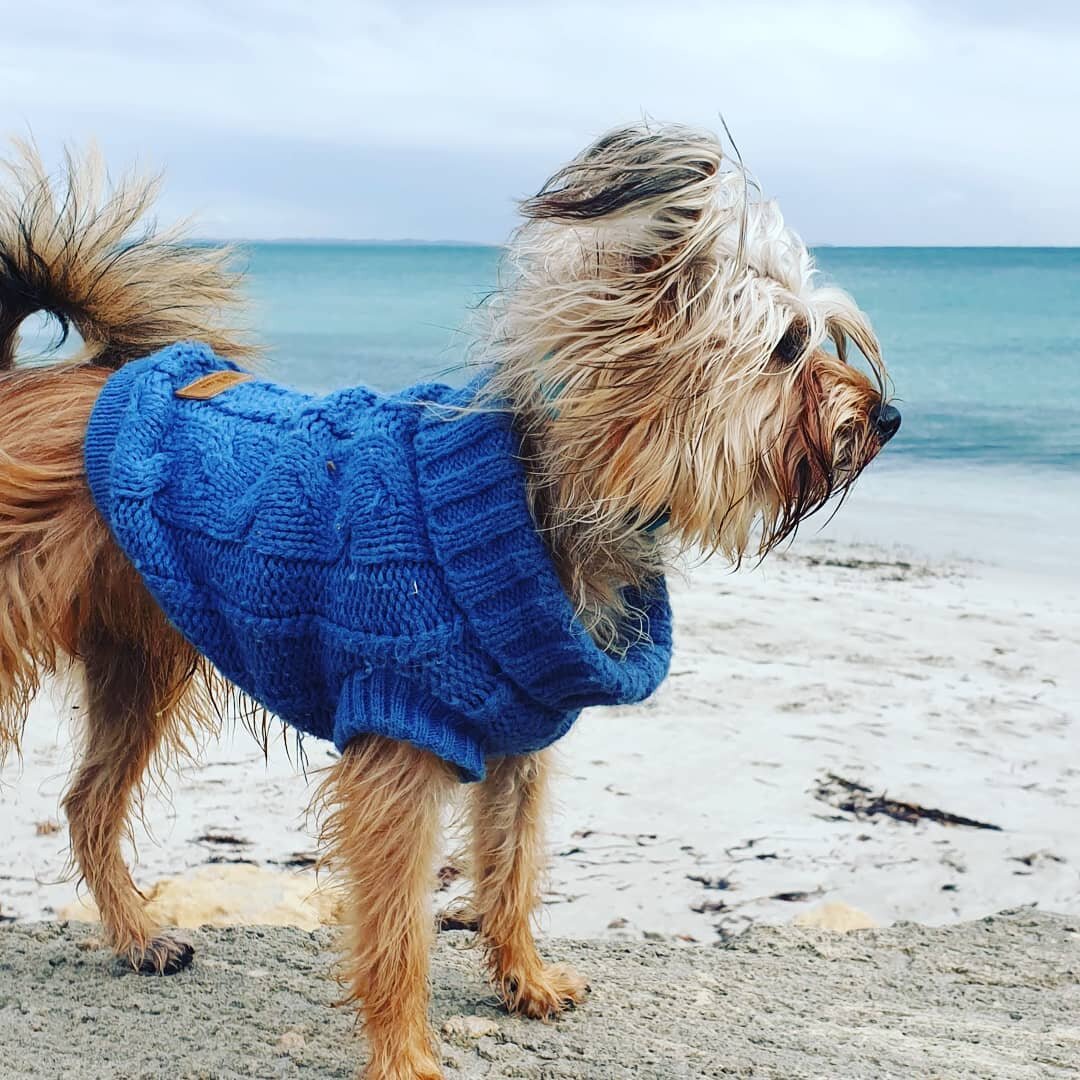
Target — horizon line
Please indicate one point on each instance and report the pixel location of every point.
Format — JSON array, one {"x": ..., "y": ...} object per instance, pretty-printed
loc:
[{"x": 344, "y": 241}]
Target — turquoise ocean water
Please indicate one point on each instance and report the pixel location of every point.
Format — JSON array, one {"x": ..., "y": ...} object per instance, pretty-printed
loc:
[{"x": 983, "y": 344}]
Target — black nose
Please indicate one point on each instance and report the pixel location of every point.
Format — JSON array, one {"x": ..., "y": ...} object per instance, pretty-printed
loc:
[{"x": 886, "y": 421}]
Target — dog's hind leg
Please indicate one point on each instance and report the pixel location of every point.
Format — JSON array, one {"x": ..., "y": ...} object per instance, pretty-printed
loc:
[
  {"x": 381, "y": 807},
  {"x": 134, "y": 709},
  {"x": 507, "y": 811}
]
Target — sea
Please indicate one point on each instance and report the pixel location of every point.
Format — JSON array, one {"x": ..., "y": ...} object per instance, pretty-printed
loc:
[{"x": 982, "y": 344}]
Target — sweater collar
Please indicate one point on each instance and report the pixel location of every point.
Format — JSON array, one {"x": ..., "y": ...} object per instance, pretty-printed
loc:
[{"x": 472, "y": 486}]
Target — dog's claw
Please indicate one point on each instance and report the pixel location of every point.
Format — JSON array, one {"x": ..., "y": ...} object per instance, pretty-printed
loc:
[{"x": 164, "y": 956}]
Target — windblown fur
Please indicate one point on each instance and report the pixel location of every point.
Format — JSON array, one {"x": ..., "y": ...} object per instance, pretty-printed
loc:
[
  {"x": 80, "y": 250},
  {"x": 658, "y": 335}
]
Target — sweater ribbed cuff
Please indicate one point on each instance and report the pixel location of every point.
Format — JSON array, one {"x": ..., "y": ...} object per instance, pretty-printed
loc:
[
  {"x": 472, "y": 486},
  {"x": 381, "y": 703},
  {"x": 101, "y": 431}
]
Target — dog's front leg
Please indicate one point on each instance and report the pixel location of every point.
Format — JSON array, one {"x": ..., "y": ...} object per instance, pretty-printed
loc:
[
  {"x": 381, "y": 830},
  {"x": 507, "y": 813}
]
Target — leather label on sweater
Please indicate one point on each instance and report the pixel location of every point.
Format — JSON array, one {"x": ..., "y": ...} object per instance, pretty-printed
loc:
[{"x": 208, "y": 386}]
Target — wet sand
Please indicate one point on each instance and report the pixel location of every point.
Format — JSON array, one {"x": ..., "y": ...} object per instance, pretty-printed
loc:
[{"x": 995, "y": 999}]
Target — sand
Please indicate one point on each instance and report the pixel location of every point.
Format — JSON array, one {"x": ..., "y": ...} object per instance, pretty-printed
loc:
[
  {"x": 898, "y": 649},
  {"x": 935, "y": 668},
  {"x": 996, "y": 998},
  {"x": 922, "y": 650}
]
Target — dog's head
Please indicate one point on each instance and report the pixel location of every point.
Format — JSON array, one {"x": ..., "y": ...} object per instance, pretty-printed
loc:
[{"x": 664, "y": 342}]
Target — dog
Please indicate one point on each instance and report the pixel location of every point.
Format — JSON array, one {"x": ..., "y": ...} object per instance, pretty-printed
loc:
[{"x": 661, "y": 372}]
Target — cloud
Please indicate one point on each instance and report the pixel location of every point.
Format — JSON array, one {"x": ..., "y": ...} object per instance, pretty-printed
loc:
[{"x": 887, "y": 122}]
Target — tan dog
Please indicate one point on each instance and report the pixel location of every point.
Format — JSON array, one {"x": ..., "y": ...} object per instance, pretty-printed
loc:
[{"x": 660, "y": 340}]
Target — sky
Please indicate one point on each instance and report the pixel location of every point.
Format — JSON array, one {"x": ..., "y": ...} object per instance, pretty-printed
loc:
[{"x": 881, "y": 122}]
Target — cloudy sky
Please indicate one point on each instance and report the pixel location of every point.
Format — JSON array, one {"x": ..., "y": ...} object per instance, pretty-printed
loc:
[{"x": 881, "y": 122}]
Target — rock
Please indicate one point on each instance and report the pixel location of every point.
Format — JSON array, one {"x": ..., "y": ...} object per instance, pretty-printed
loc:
[
  {"x": 835, "y": 916},
  {"x": 487, "y": 1048},
  {"x": 230, "y": 894},
  {"x": 466, "y": 1029},
  {"x": 291, "y": 1042}
]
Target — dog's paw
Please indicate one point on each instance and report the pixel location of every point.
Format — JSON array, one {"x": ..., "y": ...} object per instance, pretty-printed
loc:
[
  {"x": 164, "y": 955},
  {"x": 545, "y": 993}
]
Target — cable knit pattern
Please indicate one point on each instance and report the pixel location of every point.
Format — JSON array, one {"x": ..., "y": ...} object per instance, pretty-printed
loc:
[{"x": 356, "y": 562}]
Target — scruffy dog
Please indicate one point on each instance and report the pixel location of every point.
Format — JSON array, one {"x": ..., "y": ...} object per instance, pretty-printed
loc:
[{"x": 438, "y": 580}]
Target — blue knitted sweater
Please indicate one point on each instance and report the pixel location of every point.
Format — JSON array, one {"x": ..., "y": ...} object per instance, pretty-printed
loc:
[{"x": 356, "y": 562}]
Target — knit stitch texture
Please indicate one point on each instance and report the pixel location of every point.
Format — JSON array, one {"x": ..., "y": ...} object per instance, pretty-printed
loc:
[{"x": 356, "y": 562}]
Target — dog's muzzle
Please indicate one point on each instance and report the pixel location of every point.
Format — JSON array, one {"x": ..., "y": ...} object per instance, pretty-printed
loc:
[{"x": 885, "y": 421}]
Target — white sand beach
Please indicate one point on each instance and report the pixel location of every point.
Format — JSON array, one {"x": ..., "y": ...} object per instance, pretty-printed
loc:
[{"x": 924, "y": 646}]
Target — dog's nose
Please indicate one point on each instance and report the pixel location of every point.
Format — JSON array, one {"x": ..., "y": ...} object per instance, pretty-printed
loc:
[{"x": 886, "y": 421}]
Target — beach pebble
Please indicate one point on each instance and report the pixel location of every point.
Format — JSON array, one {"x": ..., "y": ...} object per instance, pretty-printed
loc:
[
  {"x": 837, "y": 916},
  {"x": 229, "y": 894},
  {"x": 465, "y": 1029},
  {"x": 291, "y": 1042},
  {"x": 487, "y": 1048}
]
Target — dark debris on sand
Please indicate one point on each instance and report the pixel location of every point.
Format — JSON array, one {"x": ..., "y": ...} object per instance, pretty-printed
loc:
[{"x": 859, "y": 800}]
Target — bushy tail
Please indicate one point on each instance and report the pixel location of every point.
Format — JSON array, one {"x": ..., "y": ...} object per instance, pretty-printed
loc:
[{"x": 81, "y": 248}]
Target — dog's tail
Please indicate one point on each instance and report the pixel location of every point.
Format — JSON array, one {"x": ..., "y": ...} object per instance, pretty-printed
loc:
[{"x": 81, "y": 248}]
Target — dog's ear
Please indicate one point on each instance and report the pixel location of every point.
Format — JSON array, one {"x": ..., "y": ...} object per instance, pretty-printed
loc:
[{"x": 632, "y": 170}]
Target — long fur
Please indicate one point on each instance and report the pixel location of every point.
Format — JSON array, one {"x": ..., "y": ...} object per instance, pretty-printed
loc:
[
  {"x": 380, "y": 807},
  {"x": 507, "y": 812},
  {"x": 81, "y": 249},
  {"x": 659, "y": 337},
  {"x": 69, "y": 595},
  {"x": 141, "y": 706},
  {"x": 50, "y": 536}
]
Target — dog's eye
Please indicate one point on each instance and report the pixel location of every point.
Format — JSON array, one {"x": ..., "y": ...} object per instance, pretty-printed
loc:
[{"x": 792, "y": 345}]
